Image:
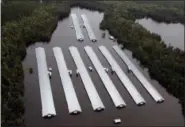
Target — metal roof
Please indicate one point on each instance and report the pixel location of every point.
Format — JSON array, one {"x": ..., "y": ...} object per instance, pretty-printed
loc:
[
  {"x": 114, "y": 94},
  {"x": 148, "y": 86},
  {"x": 79, "y": 34},
  {"x": 88, "y": 84},
  {"x": 69, "y": 91},
  {"x": 139, "y": 100},
  {"x": 88, "y": 27},
  {"x": 48, "y": 108}
]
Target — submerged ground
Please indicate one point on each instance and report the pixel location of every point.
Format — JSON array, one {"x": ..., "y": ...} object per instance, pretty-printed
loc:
[
  {"x": 28, "y": 21},
  {"x": 167, "y": 113}
]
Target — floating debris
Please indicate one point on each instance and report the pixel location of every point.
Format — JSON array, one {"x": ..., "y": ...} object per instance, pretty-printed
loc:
[
  {"x": 31, "y": 70},
  {"x": 111, "y": 38},
  {"x": 49, "y": 74},
  {"x": 103, "y": 35},
  {"x": 50, "y": 69},
  {"x": 90, "y": 68},
  {"x": 117, "y": 121},
  {"x": 106, "y": 69},
  {"x": 70, "y": 72}
]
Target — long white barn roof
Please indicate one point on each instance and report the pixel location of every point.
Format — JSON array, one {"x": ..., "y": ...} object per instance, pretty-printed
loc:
[
  {"x": 88, "y": 84},
  {"x": 148, "y": 86},
  {"x": 79, "y": 34},
  {"x": 71, "y": 98},
  {"x": 88, "y": 27},
  {"x": 123, "y": 77},
  {"x": 114, "y": 94},
  {"x": 48, "y": 108}
]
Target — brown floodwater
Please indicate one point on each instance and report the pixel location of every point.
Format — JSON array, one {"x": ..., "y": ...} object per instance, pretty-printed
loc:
[{"x": 152, "y": 114}]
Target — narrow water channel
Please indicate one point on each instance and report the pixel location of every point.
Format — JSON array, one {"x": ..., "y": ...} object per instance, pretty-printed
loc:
[
  {"x": 172, "y": 34},
  {"x": 152, "y": 114}
]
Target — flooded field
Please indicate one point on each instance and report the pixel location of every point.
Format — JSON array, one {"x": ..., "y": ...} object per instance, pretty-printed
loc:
[{"x": 167, "y": 113}]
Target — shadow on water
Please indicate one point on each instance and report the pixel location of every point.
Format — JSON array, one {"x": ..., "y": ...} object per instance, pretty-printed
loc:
[{"x": 166, "y": 113}]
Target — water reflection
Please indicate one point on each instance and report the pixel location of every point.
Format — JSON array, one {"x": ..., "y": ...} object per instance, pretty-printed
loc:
[{"x": 172, "y": 34}]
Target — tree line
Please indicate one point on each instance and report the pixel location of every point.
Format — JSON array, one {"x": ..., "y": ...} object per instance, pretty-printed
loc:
[{"x": 17, "y": 34}]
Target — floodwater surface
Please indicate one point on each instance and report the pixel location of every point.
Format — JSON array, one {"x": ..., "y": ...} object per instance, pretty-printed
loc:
[
  {"x": 151, "y": 114},
  {"x": 172, "y": 33}
]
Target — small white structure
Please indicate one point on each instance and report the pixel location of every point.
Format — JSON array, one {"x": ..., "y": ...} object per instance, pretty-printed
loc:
[
  {"x": 75, "y": 112},
  {"x": 80, "y": 39},
  {"x": 111, "y": 38},
  {"x": 90, "y": 68},
  {"x": 72, "y": 27},
  {"x": 77, "y": 72},
  {"x": 99, "y": 109},
  {"x": 117, "y": 120},
  {"x": 141, "y": 103},
  {"x": 48, "y": 116},
  {"x": 112, "y": 70},
  {"x": 129, "y": 69},
  {"x": 70, "y": 72},
  {"x": 49, "y": 74},
  {"x": 106, "y": 69},
  {"x": 94, "y": 40},
  {"x": 160, "y": 100},
  {"x": 120, "y": 106},
  {"x": 50, "y": 69}
]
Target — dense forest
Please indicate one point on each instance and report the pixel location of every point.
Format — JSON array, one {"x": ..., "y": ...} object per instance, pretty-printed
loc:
[
  {"x": 24, "y": 23},
  {"x": 17, "y": 10},
  {"x": 168, "y": 11}
]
